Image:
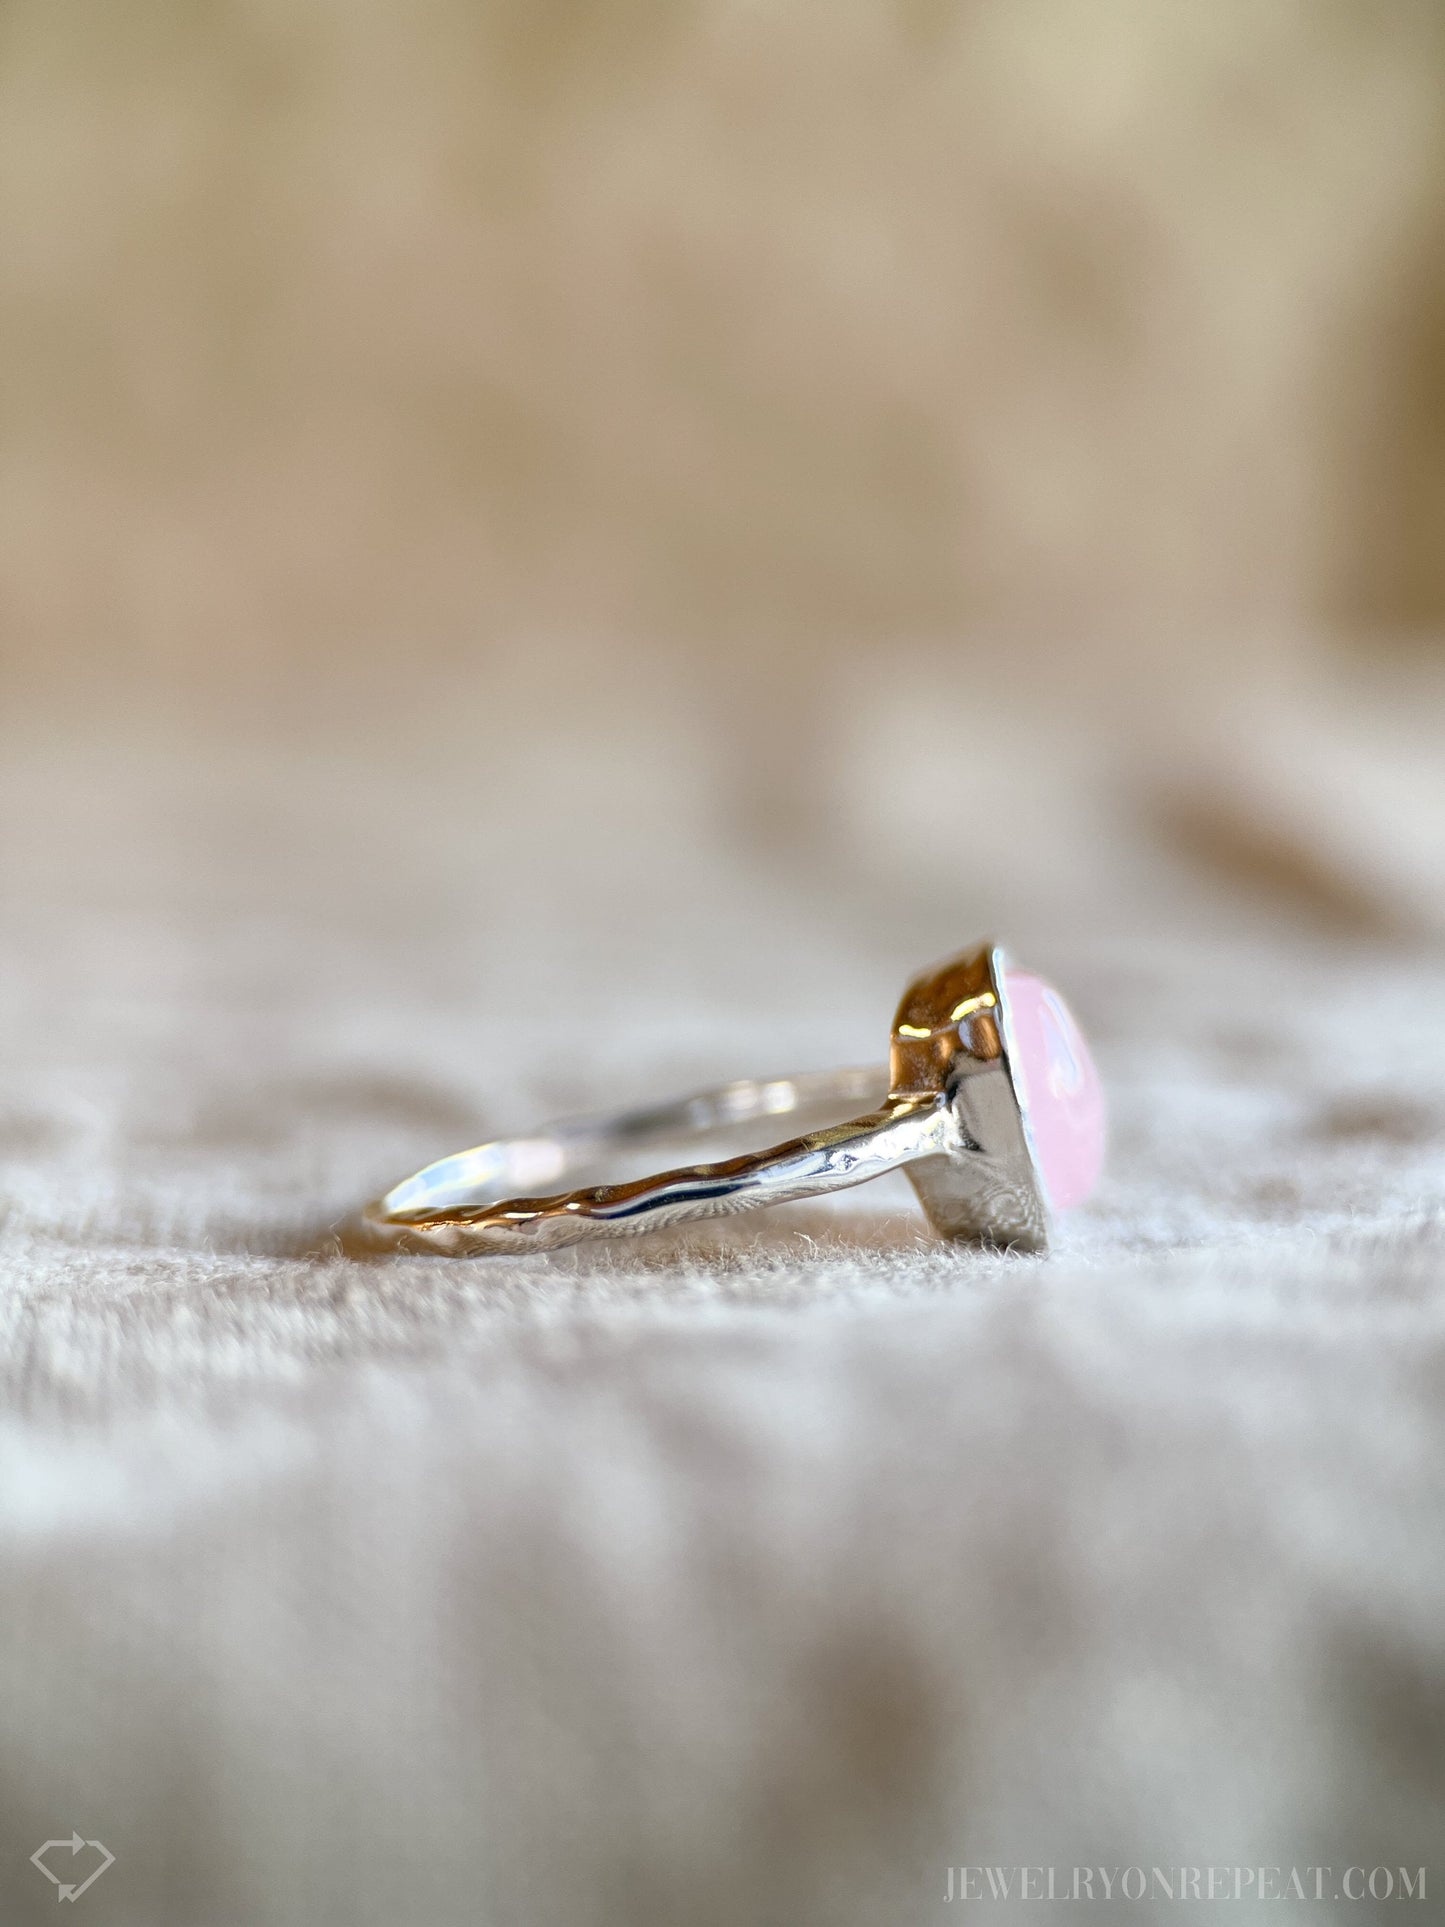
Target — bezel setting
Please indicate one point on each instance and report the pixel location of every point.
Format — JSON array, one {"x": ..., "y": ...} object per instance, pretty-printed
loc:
[{"x": 954, "y": 1038}]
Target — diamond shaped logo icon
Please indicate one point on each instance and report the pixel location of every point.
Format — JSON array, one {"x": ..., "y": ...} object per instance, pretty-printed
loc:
[{"x": 67, "y": 1884}]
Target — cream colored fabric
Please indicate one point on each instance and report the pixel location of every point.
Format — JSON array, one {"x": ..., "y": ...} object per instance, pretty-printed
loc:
[{"x": 748, "y": 1576}]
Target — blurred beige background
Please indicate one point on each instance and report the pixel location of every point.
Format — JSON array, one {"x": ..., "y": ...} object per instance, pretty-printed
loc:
[{"x": 339, "y": 330}]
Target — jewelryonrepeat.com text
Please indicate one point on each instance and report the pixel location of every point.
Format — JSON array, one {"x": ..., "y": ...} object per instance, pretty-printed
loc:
[{"x": 1185, "y": 1883}]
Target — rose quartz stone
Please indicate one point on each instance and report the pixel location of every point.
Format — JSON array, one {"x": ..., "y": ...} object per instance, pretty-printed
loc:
[{"x": 1059, "y": 1088}]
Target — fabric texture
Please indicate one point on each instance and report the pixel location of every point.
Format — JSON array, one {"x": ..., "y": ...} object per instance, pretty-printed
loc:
[{"x": 757, "y": 1574}]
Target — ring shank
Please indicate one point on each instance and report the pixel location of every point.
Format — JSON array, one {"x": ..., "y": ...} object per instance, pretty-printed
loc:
[{"x": 460, "y": 1205}]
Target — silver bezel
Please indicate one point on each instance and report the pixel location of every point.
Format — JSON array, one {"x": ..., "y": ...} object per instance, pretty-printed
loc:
[{"x": 988, "y": 1185}]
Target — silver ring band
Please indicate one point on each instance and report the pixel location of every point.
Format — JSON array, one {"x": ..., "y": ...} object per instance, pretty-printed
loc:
[{"x": 468, "y": 1203}]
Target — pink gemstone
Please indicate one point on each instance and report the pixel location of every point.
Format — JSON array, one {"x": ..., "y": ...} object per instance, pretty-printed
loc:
[{"x": 1058, "y": 1087}]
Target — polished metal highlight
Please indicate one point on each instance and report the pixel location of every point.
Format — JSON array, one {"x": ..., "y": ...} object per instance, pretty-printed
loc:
[{"x": 950, "y": 1116}]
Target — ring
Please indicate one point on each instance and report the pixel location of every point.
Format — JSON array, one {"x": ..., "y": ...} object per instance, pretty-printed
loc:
[{"x": 991, "y": 1104}]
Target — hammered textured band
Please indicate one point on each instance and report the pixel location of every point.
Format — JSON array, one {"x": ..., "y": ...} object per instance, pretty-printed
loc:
[{"x": 990, "y": 1103}]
